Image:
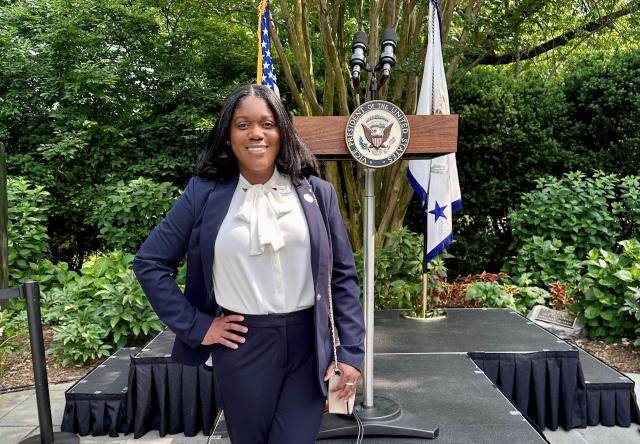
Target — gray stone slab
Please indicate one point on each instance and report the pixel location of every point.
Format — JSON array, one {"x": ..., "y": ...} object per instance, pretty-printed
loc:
[
  {"x": 13, "y": 435},
  {"x": 9, "y": 401},
  {"x": 25, "y": 413},
  {"x": 595, "y": 435}
]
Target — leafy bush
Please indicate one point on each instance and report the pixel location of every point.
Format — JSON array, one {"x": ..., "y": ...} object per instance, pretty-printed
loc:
[
  {"x": 93, "y": 313},
  {"x": 101, "y": 310},
  {"x": 490, "y": 295},
  {"x": 126, "y": 212},
  {"x": 398, "y": 270},
  {"x": 542, "y": 261},
  {"x": 562, "y": 219},
  {"x": 80, "y": 338},
  {"x": 562, "y": 297},
  {"x": 607, "y": 293},
  {"x": 528, "y": 297},
  {"x": 27, "y": 230}
]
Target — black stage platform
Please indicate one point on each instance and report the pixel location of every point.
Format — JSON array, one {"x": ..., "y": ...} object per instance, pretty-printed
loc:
[{"x": 445, "y": 372}]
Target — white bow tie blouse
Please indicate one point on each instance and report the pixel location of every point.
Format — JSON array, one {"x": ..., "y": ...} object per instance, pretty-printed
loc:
[{"x": 262, "y": 261}]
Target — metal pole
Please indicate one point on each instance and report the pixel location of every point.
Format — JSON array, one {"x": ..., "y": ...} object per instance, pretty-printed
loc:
[
  {"x": 369, "y": 255},
  {"x": 31, "y": 293}
]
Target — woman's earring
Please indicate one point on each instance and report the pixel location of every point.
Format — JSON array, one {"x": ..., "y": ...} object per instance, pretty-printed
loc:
[{"x": 228, "y": 142}]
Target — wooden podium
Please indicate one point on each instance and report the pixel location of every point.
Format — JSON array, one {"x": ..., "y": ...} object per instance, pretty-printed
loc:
[{"x": 430, "y": 136}]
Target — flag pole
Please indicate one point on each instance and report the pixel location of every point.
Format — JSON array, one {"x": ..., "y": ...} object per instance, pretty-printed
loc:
[{"x": 425, "y": 271}]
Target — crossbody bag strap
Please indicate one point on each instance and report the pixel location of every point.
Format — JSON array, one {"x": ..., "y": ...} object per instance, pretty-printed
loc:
[{"x": 330, "y": 295}]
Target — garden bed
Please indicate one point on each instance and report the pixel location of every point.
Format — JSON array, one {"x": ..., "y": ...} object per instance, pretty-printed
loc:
[{"x": 16, "y": 371}]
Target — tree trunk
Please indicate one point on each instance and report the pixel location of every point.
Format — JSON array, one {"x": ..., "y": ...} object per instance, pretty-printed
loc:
[{"x": 393, "y": 191}]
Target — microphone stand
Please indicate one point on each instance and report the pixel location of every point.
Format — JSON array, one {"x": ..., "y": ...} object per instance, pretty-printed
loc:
[{"x": 375, "y": 415}]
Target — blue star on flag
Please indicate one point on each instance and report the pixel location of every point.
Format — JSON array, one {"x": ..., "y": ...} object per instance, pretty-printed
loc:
[{"x": 438, "y": 211}]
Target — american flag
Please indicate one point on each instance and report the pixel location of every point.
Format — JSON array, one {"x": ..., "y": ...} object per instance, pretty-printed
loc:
[{"x": 266, "y": 71}]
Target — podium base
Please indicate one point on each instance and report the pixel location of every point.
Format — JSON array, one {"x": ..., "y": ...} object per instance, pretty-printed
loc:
[
  {"x": 58, "y": 438},
  {"x": 384, "y": 418}
]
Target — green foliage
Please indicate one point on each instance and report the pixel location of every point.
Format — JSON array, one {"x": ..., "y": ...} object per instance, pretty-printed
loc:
[
  {"x": 80, "y": 338},
  {"x": 603, "y": 95},
  {"x": 93, "y": 313},
  {"x": 562, "y": 219},
  {"x": 632, "y": 308},
  {"x": 97, "y": 91},
  {"x": 578, "y": 210},
  {"x": 27, "y": 230},
  {"x": 514, "y": 130},
  {"x": 543, "y": 261},
  {"x": 126, "y": 212},
  {"x": 511, "y": 133},
  {"x": 398, "y": 269},
  {"x": 103, "y": 309},
  {"x": 528, "y": 297},
  {"x": 607, "y": 293},
  {"x": 490, "y": 295}
]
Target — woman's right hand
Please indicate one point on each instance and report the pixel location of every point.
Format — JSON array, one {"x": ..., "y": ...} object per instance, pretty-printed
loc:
[{"x": 221, "y": 331}]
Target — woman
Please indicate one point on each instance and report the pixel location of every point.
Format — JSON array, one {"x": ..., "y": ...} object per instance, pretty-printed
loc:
[{"x": 263, "y": 237}]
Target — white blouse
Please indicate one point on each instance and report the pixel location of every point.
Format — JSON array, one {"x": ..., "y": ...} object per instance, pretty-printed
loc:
[{"x": 262, "y": 261}]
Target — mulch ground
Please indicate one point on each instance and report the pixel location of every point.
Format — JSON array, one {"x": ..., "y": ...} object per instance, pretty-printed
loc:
[
  {"x": 622, "y": 357},
  {"x": 16, "y": 372}
]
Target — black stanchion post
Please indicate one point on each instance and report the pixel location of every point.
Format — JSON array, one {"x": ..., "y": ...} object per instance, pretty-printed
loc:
[{"x": 31, "y": 292}]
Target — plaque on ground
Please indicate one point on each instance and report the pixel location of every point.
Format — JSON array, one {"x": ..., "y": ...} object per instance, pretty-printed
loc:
[{"x": 557, "y": 317}]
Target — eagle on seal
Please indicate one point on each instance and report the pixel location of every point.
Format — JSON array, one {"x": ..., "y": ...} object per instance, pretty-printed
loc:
[{"x": 375, "y": 137}]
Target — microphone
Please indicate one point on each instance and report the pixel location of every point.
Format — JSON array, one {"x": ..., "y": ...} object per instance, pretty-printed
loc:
[
  {"x": 388, "y": 57},
  {"x": 357, "y": 62}
]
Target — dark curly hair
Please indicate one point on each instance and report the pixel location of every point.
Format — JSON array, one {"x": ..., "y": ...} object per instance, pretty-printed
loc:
[{"x": 217, "y": 161}]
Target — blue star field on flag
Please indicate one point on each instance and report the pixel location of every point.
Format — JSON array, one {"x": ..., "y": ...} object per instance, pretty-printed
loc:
[{"x": 267, "y": 68}]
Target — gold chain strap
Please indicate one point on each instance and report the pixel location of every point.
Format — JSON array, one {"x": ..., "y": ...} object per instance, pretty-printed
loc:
[{"x": 331, "y": 320}]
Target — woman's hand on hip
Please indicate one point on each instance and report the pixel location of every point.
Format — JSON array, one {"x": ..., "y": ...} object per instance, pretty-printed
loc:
[
  {"x": 349, "y": 377},
  {"x": 221, "y": 331}
]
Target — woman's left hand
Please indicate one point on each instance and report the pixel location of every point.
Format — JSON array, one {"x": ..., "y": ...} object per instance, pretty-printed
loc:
[{"x": 349, "y": 377}]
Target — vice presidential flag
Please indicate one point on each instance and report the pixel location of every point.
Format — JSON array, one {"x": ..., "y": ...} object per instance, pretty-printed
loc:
[
  {"x": 266, "y": 71},
  {"x": 436, "y": 180}
]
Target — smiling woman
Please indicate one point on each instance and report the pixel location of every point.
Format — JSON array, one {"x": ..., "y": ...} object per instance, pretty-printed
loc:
[
  {"x": 255, "y": 139},
  {"x": 267, "y": 249}
]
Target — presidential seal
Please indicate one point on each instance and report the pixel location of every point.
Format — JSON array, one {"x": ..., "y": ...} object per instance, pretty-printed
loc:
[{"x": 377, "y": 133}]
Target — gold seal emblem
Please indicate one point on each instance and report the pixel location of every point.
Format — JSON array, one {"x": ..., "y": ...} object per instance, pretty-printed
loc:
[{"x": 377, "y": 133}]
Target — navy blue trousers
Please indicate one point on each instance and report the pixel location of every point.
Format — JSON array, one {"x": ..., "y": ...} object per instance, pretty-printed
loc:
[{"x": 268, "y": 385}]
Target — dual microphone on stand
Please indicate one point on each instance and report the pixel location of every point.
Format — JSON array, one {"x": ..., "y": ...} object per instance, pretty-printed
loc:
[{"x": 358, "y": 62}]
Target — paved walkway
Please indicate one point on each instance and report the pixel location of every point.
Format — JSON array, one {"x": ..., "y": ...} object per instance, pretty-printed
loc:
[{"x": 19, "y": 419}]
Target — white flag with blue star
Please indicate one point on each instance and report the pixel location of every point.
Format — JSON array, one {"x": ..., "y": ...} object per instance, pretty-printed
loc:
[
  {"x": 435, "y": 181},
  {"x": 266, "y": 71}
]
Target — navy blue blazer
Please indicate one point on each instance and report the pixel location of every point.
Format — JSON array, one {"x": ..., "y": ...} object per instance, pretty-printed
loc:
[{"x": 191, "y": 227}]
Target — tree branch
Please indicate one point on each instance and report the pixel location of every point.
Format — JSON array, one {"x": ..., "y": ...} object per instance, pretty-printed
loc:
[{"x": 561, "y": 40}]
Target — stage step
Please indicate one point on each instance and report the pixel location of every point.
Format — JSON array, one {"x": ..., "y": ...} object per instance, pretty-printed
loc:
[
  {"x": 97, "y": 404},
  {"x": 608, "y": 392}
]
